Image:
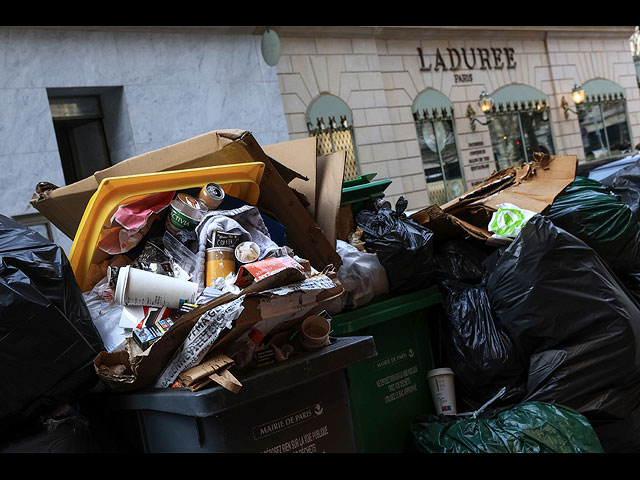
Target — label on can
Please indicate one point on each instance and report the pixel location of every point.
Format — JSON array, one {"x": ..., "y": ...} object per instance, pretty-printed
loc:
[{"x": 181, "y": 221}]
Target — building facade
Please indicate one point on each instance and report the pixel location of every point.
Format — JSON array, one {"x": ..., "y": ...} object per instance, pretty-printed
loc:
[
  {"x": 412, "y": 93},
  {"x": 77, "y": 99},
  {"x": 403, "y": 101}
]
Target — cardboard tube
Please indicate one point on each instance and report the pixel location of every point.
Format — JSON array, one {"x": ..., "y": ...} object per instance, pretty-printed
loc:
[{"x": 139, "y": 287}]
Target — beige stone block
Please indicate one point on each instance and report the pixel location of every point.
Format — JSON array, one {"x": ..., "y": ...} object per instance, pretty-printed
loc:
[
  {"x": 364, "y": 152},
  {"x": 377, "y": 116},
  {"x": 404, "y": 131},
  {"x": 284, "y": 64},
  {"x": 417, "y": 200},
  {"x": 297, "y": 122},
  {"x": 387, "y": 132},
  {"x": 356, "y": 63},
  {"x": 398, "y": 97},
  {"x": 364, "y": 45},
  {"x": 403, "y": 80},
  {"x": 360, "y": 99},
  {"x": 379, "y": 168},
  {"x": 293, "y": 84},
  {"x": 320, "y": 68},
  {"x": 391, "y": 63},
  {"x": 348, "y": 82},
  {"x": 297, "y": 46},
  {"x": 410, "y": 166},
  {"x": 325, "y": 46},
  {"x": 370, "y": 80},
  {"x": 384, "y": 152},
  {"x": 292, "y": 103},
  {"x": 402, "y": 47},
  {"x": 368, "y": 135},
  {"x": 379, "y": 98},
  {"x": 373, "y": 61},
  {"x": 335, "y": 67}
]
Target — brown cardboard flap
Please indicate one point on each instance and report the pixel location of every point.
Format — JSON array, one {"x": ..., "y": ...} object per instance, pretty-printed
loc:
[
  {"x": 299, "y": 155},
  {"x": 533, "y": 186},
  {"x": 329, "y": 193}
]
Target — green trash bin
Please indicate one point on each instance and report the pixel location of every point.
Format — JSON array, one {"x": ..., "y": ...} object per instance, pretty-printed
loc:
[{"x": 386, "y": 392}]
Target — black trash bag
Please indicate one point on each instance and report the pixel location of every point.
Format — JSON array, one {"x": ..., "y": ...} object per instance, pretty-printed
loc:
[
  {"x": 588, "y": 210},
  {"x": 404, "y": 248},
  {"x": 571, "y": 321},
  {"x": 478, "y": 349},
  {"x": 460, "y": 260},
  {"x": 47, "y": 339},
  {"x": 530, "y": 427}
]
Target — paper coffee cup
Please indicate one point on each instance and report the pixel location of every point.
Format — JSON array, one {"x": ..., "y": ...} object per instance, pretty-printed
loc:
[
  {"x": 442, "y": 390},
  {"x": 219, "y": 262},
  {"x": 139, "y": 287},
  {"x": 314, "y": 332}
]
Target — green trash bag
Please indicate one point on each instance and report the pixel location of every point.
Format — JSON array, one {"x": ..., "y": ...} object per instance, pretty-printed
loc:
[
  {"x": 529, "y": 427},
  {"x": 588, "y": 210}
]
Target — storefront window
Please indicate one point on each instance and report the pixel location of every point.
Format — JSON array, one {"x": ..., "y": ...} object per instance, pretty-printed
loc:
[
  {"x": 519, "y": 125},
  {"x": 437, "y": 141},
  {"x": 603, "y": 120},
  {"x": 329, "y": 120}
]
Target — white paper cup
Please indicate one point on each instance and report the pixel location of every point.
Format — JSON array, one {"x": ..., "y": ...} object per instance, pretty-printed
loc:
[
  {"x": 442, "y": 390},
  {"x": 139, "y": 287},
  {"x": 314, "y": 332},
  {"x": 247, "y": 252}
]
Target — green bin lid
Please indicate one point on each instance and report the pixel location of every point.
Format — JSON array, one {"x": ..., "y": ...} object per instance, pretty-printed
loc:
[{"x": 384, "y": 308}]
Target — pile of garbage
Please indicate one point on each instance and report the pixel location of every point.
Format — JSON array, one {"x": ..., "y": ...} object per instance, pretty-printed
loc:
[
  {"x": 540, "y": 300},
  {"x": 539, "y": 273}
]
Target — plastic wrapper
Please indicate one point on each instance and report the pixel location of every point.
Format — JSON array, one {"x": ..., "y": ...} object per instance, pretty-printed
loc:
[
  {"x": 361, "y": 275},
  {"x": 530, "y": 427},
  {"x": 47, "y": 338},
  {"x": 592, "y": 213},
  {"x": 404, "y": 248}
]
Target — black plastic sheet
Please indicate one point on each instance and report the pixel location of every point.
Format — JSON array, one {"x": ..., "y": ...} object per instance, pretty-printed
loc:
[
  {"x": 570, "y": 320},
  {"x": 405, "y": 248},
  {"x": 47, "y": 338}
]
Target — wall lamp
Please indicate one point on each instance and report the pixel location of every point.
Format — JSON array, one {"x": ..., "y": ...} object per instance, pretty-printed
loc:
[
  {"x": 577, "y": 95},
  {"x": 485, "y": 103}
]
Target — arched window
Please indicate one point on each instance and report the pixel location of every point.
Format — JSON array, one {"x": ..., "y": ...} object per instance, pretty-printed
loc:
[
  {"x": 329, "y": 119},
  {"x": 519, "y": 125},
  {"x": 603, "y": 119},
  {"x": 433, "y": 118}
]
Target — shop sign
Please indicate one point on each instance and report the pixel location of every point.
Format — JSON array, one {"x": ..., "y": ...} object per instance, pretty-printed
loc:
[{"x": 469, "y": 58}]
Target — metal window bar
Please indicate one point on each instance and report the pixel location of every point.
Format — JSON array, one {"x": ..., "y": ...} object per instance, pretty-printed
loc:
[{"x": 334, "y": 138}]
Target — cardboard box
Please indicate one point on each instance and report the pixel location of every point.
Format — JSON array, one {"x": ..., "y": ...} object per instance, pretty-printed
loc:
[
  {"x": 532, "y": 186},
  {"x": 64, "y": 206}
]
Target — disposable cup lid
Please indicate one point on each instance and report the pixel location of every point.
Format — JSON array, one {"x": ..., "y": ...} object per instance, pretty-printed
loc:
[{"x": 439, "y": 371}]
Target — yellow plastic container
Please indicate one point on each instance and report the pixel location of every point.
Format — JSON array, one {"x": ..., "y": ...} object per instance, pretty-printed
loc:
[{"x": 241, "y": 181}]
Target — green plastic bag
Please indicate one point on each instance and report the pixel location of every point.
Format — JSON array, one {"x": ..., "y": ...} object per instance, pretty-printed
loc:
[
  {"x": 589, "y": 211},
  {"x": 529, "y": 427}
]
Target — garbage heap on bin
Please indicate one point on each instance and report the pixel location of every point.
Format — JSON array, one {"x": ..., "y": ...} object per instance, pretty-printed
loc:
[{"x": 212, "y": 255}]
